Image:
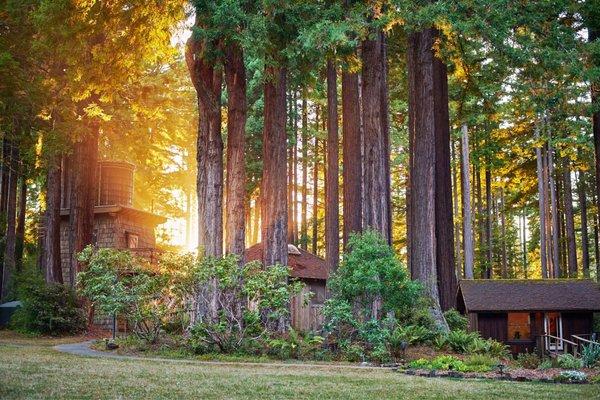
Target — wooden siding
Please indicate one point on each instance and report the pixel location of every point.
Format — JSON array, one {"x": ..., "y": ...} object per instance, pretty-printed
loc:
[
  {"x": 309, "y": 317},
  {"x": 493, "y": 325},
  {"x": 576, "y": 324}
]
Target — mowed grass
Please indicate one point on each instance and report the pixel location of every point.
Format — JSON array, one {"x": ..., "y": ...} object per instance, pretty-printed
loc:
[{"x": 33, "y": 370}]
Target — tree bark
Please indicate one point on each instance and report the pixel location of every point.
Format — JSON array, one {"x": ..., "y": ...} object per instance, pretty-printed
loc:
[
  {"x": 444, "y": 219},
  {"x": 11, "y": 217},
  {"x": 569, "y": 220},
  {"x": 51, "y": 253},
  {"x": 556, "y": 273},
  {"x": 488, "y": 223},
  {"x": 21, "y": 214},
  {"x": 82, "y": 197},
  {"x": 375, "y": 204},
  {"x": 542, "y": 205},
  {"x": 273, "y": 187},
  {"x": 304, "y": 216},
  {"x": 585, "y": 249},
  {"x": 504, "y": 253},
  {"x": 315, "y": 187},
  {"x": 352, "y": 157},
  {"x": 209, "y": 181},
  {"x": 422, "y": 131},
  {"x": 235, "y": 76},
  {"x": 332, "y": 202},
  {"x": 466, "y": 204}
]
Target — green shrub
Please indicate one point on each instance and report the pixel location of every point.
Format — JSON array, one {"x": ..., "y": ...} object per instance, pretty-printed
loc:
[
  {"x": 460, "y": 341},
  {"x": 370, "y": 277},
  {"x": 568, "y": 361},
  {"x": 546, "y": 364},
  {"x": 51, "y": 309},
  {"x": 352, "y": 352},
  {"x": 528, "y": 360},
  {"x": 456, "y": 321},
  {"x": 450, "y": 363},
  {"x": 481, "y": 362},
  {"x": 590, "y": 355}
]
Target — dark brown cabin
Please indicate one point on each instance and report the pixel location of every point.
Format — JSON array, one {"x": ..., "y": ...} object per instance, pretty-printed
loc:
[
  {"x": 313, "y": 271},
  {"x": 520, "y": 312}
]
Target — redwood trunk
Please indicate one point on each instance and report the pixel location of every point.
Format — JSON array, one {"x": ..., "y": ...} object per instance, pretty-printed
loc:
[
  {"x": 273, "y": 186},
  {"x": 11, "y": 219},
  {"x": 585, "y": 259},
  {"x": 352, "y": 158},
  {"x": 375, "y": 204},
  {"x": 304, "y": 216},
  {"x": 52, "y": 262},
  {"x": 466, "y": 205},
  {"x": 422, "y": 131},
  {"x": 235, "y": 75},
  {"x": 444, "y": 220},
  {"x": 542, "y": 201},
  {"x": 332, "y": 203},
  {"x": 569, "y": 220},
  {"x": 82, "y": 198},
  {"x": 20, "y": 232}
]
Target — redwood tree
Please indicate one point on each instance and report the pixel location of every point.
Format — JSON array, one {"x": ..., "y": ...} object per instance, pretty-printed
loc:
[{"x": 332, "y": 203}]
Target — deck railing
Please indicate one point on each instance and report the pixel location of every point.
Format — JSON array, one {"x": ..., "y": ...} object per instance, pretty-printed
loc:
[
  {"x": 589, "y": 339},
  {"x": 551, "y": 344}
]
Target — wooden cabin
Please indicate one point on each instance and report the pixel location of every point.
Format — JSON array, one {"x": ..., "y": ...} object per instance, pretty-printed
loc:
[
  {"x": 313, "y": 272},
  {"x": 528, "y": 315}
]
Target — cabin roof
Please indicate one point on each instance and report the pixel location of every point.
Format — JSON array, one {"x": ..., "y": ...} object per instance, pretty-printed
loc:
[
  {"x": 495, "y": 295},
  {"x": 304, "y": 264},
  {"x": 148, "y": 217}
]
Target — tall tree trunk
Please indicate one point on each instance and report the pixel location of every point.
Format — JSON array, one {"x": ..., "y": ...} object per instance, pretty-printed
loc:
[
  {"x": 444, "y": 219},
  {"x": 524, "y": 233},
  {"x": 554, "y": 209},
  {"x": 315, "y": 187},
  {"x": 569, "y": 220},
  {"x": 209, "y": 156},
  {"x": 256, "y": 220},
  {"x": 82, "y": 197},
  {"x": 6, "y": 154},
  {"x": 422, "y": 220},
  {"x": 488, "y": 223},
  {"x": 295, "y": 172},
  {"x": 375, "y": 204},
  {"x": 593, "y": 35},
  {"x": 304, "y": 216},
  {"x": 385, "y": 130},
  {"x": 455, "y": 203},
  {"x": 52, "y": 260},
  {"x": 542, "y": 205},
  {"x": 235, "y": 76},
  {"x": 585, "y": 260},
  {"x": 11, "y": 217},
  {"x": 332, "y": 202},
  {"x": 504, "y": 254},
  {"x": 466, "y": 205},
  {"x": 352, "y": 157},
  {"x": 20, "y": 232},
  {"x": 273, "y": 187}
]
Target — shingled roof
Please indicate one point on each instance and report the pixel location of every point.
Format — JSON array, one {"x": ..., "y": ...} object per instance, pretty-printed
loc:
[
  {"x": 495, "y": 295},
  {"x": 304, "y": 264}
]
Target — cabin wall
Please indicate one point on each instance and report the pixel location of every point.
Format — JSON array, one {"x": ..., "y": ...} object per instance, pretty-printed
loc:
[
  {"x": 576, "y": 324},
  {"x": 309, "y": 317},
  {"x": 493, "y": 326}
]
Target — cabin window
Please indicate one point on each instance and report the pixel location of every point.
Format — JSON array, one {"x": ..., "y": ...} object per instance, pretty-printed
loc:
[
  {"x": 519, "y": 326},
  {"x": 132, "y": 240}
]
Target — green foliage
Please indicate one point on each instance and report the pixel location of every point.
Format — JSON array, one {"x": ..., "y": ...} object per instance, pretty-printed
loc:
[
  {"x": 472, "y": 343},
  {"x": 117, "y": 283},
  {"x": 51, "y": 309},
  {"x": 450, "y": 363},
  {"x": 590, "y": 355},
  {"x": 253, "y": 302},
  {"x": 546, "y": 364},
  {"x": 568, "y": 361},
  {"x": 528, "y": 360},
  {"x": 456, "y": 321}
]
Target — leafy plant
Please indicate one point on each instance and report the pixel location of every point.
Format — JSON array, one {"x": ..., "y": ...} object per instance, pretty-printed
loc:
[
  {"x": 51, "y": 309},
  {"x": 546, "y": 364},
  {"x": 117, "y": 283},
  {"x": 460, "y": 341},
  {"x": 568, "y": 361},
  {"x": 528, "y": 360},
  {"x": 450, "y": 363},
  {"x": 456, "y": 321},
  {"x": 590, "y": 355}
]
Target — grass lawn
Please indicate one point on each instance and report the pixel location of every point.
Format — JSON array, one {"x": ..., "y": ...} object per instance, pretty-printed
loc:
[{"x": 31, "y": 369}]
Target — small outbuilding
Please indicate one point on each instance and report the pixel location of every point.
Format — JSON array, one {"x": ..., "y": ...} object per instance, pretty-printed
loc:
[
  {"x": 313, "y": 272},
  {"x": 542, "y": 314}
]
